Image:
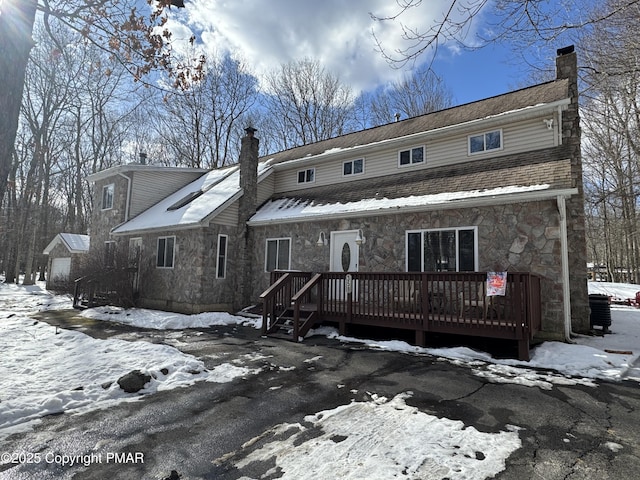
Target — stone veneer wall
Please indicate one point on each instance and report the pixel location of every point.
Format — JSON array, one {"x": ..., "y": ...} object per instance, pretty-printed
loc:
[
  {"x": 102, "y": 221},
  {"x": 523, "y": 237},
  {"x": 191, "y": 285}
]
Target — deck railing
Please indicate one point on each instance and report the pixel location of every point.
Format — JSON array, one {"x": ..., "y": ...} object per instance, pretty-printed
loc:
[{"x": 444, "y": 302}]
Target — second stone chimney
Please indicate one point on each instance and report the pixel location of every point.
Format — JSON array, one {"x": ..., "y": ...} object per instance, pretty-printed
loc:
[{"x": 249, "y": 174}]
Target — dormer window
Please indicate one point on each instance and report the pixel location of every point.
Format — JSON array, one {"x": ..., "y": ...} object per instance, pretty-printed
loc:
[
  {"x": 107, "y": 196},
  {"x": 485, "y": 142},
  {"x": 307, "y": 176},
  {"x": 353, "y": 167},
  {"x": 411, "y": 156}
]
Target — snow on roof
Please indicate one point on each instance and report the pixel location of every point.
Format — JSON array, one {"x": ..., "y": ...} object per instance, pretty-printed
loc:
[
  {"x": 295, "y": 209},
  {"x": 217, "y": 187},
  {"x": 192, "y": 204},
  {"x": 75, "y": 242}
]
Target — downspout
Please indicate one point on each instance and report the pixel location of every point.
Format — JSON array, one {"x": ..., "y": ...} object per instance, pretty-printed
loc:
[
  {"x": 564, "y": 256},
  {"x": 126, "y": 208}
]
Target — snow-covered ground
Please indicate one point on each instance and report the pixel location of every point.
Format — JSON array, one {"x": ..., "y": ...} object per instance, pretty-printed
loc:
[{"x": 48, "y": 370}]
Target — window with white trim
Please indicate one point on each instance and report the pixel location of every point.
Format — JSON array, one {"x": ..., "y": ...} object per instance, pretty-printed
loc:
[
  {"x": 411, "y": 156},
  {"x": 307, "y": 176},
  {"x": 353, "y": 167},
  {"x": 485, "y": 142},
  {"x": 221, "y": 266},
  {"x": 166, "y": 252},
  {"x": 278, "y": 254},
  {"x": 107, "y": 196},
  {"x": 442, "y": 250}
]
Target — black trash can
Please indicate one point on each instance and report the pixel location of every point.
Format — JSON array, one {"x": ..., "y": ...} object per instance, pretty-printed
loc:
[{"x": 600, "y": 312}]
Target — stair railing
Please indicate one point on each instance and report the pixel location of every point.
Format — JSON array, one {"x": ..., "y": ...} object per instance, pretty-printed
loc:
[{"x": 304, "y": 296}]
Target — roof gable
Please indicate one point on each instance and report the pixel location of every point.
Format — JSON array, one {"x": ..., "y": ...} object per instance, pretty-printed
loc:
[{"x": 74, "y": 242}]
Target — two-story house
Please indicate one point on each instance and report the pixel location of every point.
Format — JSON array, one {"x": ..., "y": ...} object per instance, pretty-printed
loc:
[{"x": 493, "y": 185}]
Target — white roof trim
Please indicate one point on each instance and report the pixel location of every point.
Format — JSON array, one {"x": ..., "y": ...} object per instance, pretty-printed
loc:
[
  {"x": 138, "y": 167},
  {"x": 276, "y": 212}
]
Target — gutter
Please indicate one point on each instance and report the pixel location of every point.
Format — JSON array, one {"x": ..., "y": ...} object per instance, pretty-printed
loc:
[{"x": 126, "y": 208}]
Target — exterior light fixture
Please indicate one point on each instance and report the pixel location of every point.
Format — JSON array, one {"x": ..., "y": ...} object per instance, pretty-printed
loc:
[
  {"x": 360, "y": 238},
  {"x": 322, "y": 240},
  {"x": 549, "y": 123}
]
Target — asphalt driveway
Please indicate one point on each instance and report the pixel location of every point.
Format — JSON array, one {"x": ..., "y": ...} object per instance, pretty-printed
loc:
[{"x": 201, "y": 432}]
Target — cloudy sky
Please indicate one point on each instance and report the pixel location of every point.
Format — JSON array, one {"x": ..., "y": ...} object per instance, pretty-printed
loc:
[{"x": 339, "y": 34}]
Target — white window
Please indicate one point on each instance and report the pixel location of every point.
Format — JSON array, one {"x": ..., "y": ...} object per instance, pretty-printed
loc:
[
  {"x": 442, "y": 250},
  {"x": 166, "y": 252},
  {"x": 107, "y": 196},
  {"x": 278, "y": 254},
  {"x": 307, "y": 176},
  {"x": 411, "y": 156},
  {"x": 221, "y": 266},
  {"x": 485, "y": 142},
  {"x": 353, "y": 167}
]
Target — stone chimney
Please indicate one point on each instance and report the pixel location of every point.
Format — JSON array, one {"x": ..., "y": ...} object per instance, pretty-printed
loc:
[
  {"x": 567, "y": 68},
  {"x": 246, "y": 208},
  {"x": 249, "y": 174}
]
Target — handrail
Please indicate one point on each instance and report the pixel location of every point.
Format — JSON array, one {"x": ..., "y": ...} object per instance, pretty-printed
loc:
[
  {"x": 268, "y": 297},
  {"x": 297, "y": 300}
]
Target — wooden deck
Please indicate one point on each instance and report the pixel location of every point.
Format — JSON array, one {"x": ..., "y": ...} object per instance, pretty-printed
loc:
[{"x": 438, "y": 302}]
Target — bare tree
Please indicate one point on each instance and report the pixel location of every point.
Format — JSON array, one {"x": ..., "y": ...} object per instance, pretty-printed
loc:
[
  {"x": 521, "y": 21},
  {"x": 138, "y": 39},
  {"x": 611, "y": 119},
  {"x": 307, "y": 104},
  {"x": 200, "y": 126},
  {"x": 416, "y": 94}
]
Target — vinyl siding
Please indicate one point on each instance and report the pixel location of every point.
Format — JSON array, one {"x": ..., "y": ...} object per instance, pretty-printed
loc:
[
  {"x": 516, "y": 137},
  {"x": 148, "y": 188}
]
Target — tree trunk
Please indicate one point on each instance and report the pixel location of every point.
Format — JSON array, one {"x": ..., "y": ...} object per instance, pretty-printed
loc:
[{"x": 16, "y": 25}]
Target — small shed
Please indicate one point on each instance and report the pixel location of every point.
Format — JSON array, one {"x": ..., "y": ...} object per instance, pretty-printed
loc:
[{"x": 66, "y": 253}]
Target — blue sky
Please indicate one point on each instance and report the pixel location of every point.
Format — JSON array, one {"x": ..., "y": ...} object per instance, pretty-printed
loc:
[{"x": 339, "y": 34}]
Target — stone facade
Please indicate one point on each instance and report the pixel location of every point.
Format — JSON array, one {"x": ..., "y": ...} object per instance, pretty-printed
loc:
[
  {"x": 520, "y": 237},
  {"x": 191, "y": 285}
]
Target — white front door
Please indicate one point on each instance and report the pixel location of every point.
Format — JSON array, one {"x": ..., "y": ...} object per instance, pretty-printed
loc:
[{"x": 345, "y": 255}]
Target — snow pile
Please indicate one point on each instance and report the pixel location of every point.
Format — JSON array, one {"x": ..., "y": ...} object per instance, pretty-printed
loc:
[
  {"x": 383, "y": 439},
  {"x": 143, "y": 318},
  {"x": 48, "y": 370}
]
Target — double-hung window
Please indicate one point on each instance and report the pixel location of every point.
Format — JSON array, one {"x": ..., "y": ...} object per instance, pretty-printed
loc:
[
  {"x": 485, "y": 142},
  {"x": 307, "y": 176},
  {"x": 411, "y": 156},
  {"x": 166, "y": 252},
  {"x": 221, "y": 270},
  {"x": 278, "y": 256},
  {"x": 442, "y": 250},
  {"x": 107, "y": 196},
  {"x": 353, "y": 167}
]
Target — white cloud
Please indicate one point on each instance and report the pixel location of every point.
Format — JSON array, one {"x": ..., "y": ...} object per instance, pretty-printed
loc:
[{"x": 337, "y": 33}]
